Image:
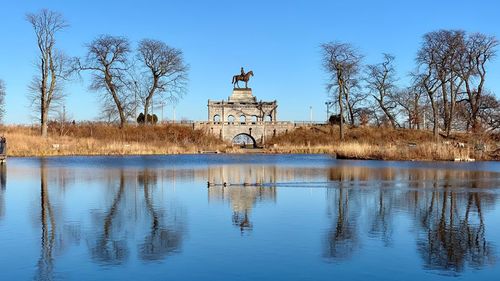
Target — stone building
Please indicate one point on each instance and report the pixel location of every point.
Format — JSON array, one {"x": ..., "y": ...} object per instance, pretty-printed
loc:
[{"x": 243, "y": 120}]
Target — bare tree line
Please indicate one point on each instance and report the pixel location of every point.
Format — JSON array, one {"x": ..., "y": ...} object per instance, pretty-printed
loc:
[
  {"x": 448, "y": 83},
  {"x": 123, "y": 80},
  {"x": 447, "y": 88}
]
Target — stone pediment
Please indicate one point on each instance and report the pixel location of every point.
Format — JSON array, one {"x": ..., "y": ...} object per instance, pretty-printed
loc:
[{"x": 242, "y": 95}]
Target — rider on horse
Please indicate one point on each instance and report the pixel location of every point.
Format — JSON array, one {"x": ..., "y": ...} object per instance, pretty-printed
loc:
[{"x": 242, "y": 72}]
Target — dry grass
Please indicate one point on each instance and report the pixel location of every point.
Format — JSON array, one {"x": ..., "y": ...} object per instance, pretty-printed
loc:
[
  {"x": 386, "y": 144},
  {"x": 360, "y": 143},
  {"x": 101, "y": 139}
]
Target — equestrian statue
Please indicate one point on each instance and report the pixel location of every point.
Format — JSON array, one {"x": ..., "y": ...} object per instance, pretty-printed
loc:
[{"x": 242, "y": 77}]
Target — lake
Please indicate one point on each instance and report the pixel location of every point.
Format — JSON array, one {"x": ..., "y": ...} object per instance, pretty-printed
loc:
[{"x": 262, "y": 217}]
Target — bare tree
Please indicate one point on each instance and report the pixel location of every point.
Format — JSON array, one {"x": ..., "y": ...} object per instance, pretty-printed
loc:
[
  {"x": 2, "y": 101},
  {"x": 410, "y": 100},
  {"x": 380, "y": 80},
  {"x": 107, "y": 59},
  {"x": 490, "y": 112},
  {"x": 342, "y": 62},
  {"x": 478, "y": 51},
  {"x": 166, "y": 72},
  {"x": 52, "y": 64}
]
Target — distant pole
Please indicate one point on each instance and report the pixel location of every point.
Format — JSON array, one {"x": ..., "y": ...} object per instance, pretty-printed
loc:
[{"x": 311, "y": 114}]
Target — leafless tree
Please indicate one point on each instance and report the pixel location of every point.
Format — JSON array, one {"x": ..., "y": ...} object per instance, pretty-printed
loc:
[
  {"x": 478, "y": 51},
  {"x": 107, "y": 59},
  {"x": 439, "y": 59},
  {"x": 489, "y": 112},
  {"x": 166, "y": 72},
  {"x": 52, "y": 64},
  {"x": 342, "y": 62},
  {"x": 2, "y": 101},
  {"x": 410, "y": 100},
  {"x": 380, "y": 80}
]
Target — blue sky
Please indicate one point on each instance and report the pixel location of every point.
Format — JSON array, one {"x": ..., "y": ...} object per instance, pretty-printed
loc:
[{"x": 278, "y": 40}]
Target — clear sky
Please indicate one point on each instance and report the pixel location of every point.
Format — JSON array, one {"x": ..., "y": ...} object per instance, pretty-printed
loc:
[{"x": 278, "y": 40}]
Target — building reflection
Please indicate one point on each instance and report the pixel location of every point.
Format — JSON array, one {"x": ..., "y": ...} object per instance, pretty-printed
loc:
[
  {"x": 241, "y": 186},
  {"x": 446, "y": 205}
]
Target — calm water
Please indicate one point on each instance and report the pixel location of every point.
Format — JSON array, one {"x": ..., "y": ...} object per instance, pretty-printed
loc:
[{"x": 310, "y": 217}]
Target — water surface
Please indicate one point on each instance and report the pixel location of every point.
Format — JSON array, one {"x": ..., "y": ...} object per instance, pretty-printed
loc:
[{"x": 264, "y": 217}]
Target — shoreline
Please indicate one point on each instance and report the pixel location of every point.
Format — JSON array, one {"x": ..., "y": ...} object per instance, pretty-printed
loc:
[
  {"x": 362, "y": 143},
  {"x": 244, "y": 152}
]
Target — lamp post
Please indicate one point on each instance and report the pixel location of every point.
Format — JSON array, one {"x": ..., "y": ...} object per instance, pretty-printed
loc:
[{"x": 328, "y": 104}]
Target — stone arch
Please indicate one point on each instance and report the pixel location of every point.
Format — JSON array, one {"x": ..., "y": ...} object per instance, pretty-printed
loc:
[
  {"x": 216, "y": 118},
  {"x": 254, "y": 119},
  {"x": 268, "y": 118},
  {"x": 244, "y": 140},
  {"x": 243, "y": 119},
  {"x": 230, "y": 119}
]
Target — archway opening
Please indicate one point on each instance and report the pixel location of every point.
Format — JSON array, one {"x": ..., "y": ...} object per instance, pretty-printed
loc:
[
  {"x": 244, "y": 141},
  {"x": 254, "y": 119},
  {"x": 243, "y": 119},
  {"x": 217, "y": 118},
  {"x": 230, "y": 119},
  {"x": 268, "y": 118}
]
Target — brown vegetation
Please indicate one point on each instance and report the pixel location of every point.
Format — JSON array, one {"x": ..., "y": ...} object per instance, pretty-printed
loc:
[
  {"x": 102, "y": 139},
  {"x": 386, "y": 144},
  {"x": 360, "y": 143}
]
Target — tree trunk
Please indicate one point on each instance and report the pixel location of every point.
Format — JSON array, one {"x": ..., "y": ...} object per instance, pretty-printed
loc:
[
  {"x": 388, "y": 114},
  {"x": 341, "y": 115},
  {"x": 146, "y": 108},
  {"x": 446, "y": 117},
  {"x": 43, "y": 114},
  {"x": 435, "y": 114}
]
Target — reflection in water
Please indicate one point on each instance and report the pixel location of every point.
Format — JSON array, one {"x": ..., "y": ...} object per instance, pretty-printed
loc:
[
  {"x": 110, "y": 236},
  {"x": 453, "y": 231},
  {"x": 3, "y": 186},
  {"x": 342, "y": 237},
  {"x": 110, "y": 247},
  {"x": 163, "y": 231},
  {"x": 45, "y": 264},
  {"x": 241, "y": 196},
  {"x": 450, "y": 219},
  {"x": 162, "y": 239},
  {"x": 127, "y": 217}
]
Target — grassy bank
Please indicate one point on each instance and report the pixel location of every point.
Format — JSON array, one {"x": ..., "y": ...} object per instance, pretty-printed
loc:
[
  {"x": 102, "y": 139},
  {"x": 360, "y": 143},
  {"x": 387, "y": 144}
]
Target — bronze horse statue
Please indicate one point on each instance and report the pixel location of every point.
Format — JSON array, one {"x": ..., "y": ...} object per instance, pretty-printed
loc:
[{"x": 243, "y": 78}]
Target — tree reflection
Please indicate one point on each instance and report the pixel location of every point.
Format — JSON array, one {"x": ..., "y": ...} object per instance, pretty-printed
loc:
[
  {"x": 381, "y": 221},
  {"x": 111, "y": 249},
  {"x": 453, "y": 231},
  {"x": 3, "y": 187},
  {"x": 161, "y": 240},
  {"x": 45, "y": 265},
  {"x": 341, "y": 239},
  {"x": 447, "y": 206}
]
